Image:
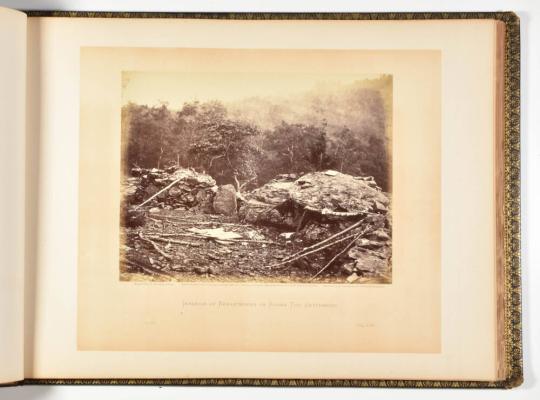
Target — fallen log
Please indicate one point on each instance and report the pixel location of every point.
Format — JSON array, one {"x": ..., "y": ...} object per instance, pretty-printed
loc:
[
  {"x": 209, "y": 237},
  {"x": 351, "y": 243},
  {"x": 299, "y": 255},
  {"x": 155, "y": 246},
  {"x": 328, "y": 239},
  {"x": 184, "y": 221},
  {"x": 159, "y": 239},
  {"x": 146, "y": 268},
  {"x": 158, "y": 193}
]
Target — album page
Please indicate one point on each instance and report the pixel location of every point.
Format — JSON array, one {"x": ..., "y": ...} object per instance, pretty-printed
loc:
[{"x": 273, "y": 199}]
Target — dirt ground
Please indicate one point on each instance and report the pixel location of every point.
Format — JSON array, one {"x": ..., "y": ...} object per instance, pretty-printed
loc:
[{"x": 165, "y": 248}]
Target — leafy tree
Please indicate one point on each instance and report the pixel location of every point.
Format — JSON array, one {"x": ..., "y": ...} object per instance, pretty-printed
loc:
[
  {"x": 225, "y": 148},
  {"x": 147, "y": 135},
  {"x": 356, "y": 153},
  {"x": 296, "y": 148},
  {"x": 344, "y": 128}
]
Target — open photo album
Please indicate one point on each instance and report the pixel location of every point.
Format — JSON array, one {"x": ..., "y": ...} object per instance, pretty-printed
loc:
[{"x": 260, "y": 199}]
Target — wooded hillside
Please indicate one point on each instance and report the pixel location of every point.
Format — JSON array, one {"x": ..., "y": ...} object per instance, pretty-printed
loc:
[{"x": 247, "y": 143}]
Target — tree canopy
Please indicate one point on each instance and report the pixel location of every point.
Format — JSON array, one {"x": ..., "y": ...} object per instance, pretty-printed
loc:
[{"x": 248, "y": 144}]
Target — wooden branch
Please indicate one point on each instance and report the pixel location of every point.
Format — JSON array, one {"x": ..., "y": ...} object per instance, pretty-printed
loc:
[
  {"x": 338, "y": 255},
  {"x": 355, "y": 225},
  {"x": 158, "y": 193},
  {"x": 146, "y": 268},
  {"x": 155, "y": 246},
  {"x": 299, "y": 256},
  {"x": 214, "y": 159},
  {"x": 299, "y": 225},
  {"x": 243, "y": 185},
  {"x": 325, "y": 212},
  {"x": 210, "y": 237},
  {"x": 183, "y": 221},
  {"x": 158, "y": 239}
]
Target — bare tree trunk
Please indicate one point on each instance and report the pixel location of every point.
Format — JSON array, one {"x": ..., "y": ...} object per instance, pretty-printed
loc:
[
  {"x": 236, "y": 183},
  {"x": 160, "y": 156}
]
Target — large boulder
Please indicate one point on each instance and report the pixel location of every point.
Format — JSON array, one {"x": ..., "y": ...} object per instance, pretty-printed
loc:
[
  {"x": 334, "y": 192},
  {"x": 276, "y": 191},
  {"x": 225, "y": 200},
  {"x": 330, "y": 194}
]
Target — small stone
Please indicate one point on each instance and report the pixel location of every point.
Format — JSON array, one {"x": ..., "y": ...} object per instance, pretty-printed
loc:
[
  {"x": 349, "y": 267},
  {"x": 352, "y": 278},
  {"x": 378, "y": 206},
  {"x": 151, "y": 190},
  {"x": 379, "y": 234},
  {"x": 200, "y": 270},
  {"x": 286, "y": 235},
  {"x": 253, "y": 235},
  {"x": 154, "y": 210}
]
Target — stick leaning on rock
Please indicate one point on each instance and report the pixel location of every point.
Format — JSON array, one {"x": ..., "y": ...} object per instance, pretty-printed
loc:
[{"x": 158, "y": 193}]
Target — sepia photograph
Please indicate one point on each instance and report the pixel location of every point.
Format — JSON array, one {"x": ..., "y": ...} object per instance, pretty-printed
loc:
[
  {"x": 259, "y": 192},
  {"x": 261, "y": 177}
]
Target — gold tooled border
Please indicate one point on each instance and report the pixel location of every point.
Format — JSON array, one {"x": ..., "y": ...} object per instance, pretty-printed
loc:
[{"x": 512, "y": 268}]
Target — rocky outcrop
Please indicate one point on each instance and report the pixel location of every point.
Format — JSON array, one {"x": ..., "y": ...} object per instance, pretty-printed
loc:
[
  {"x": 333, "y": 192},
  {"x": 330, "y": 194},
  {"x": 319, "y": 205}
]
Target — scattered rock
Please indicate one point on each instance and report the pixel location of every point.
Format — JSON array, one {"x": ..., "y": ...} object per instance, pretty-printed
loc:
[
  {"x": 200, "y": 270},
  {"x": 133, "y": 218},
  {"x": 368, "y": 262},
  {"x": 254, "y": 235},
  {"x": 286, "y": 235},
  {"x": 379, "y": 234},
  {"x": 350, "y": 268}
]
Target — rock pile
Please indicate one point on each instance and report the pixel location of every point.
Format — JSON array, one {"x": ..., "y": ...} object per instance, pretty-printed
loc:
[
  {"x": 188, "y": 189},
  {"x": 320, "y": 205}
]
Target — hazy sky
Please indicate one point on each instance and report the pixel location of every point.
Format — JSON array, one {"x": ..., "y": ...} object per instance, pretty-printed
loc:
[{"x": 176, "y": 88}]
